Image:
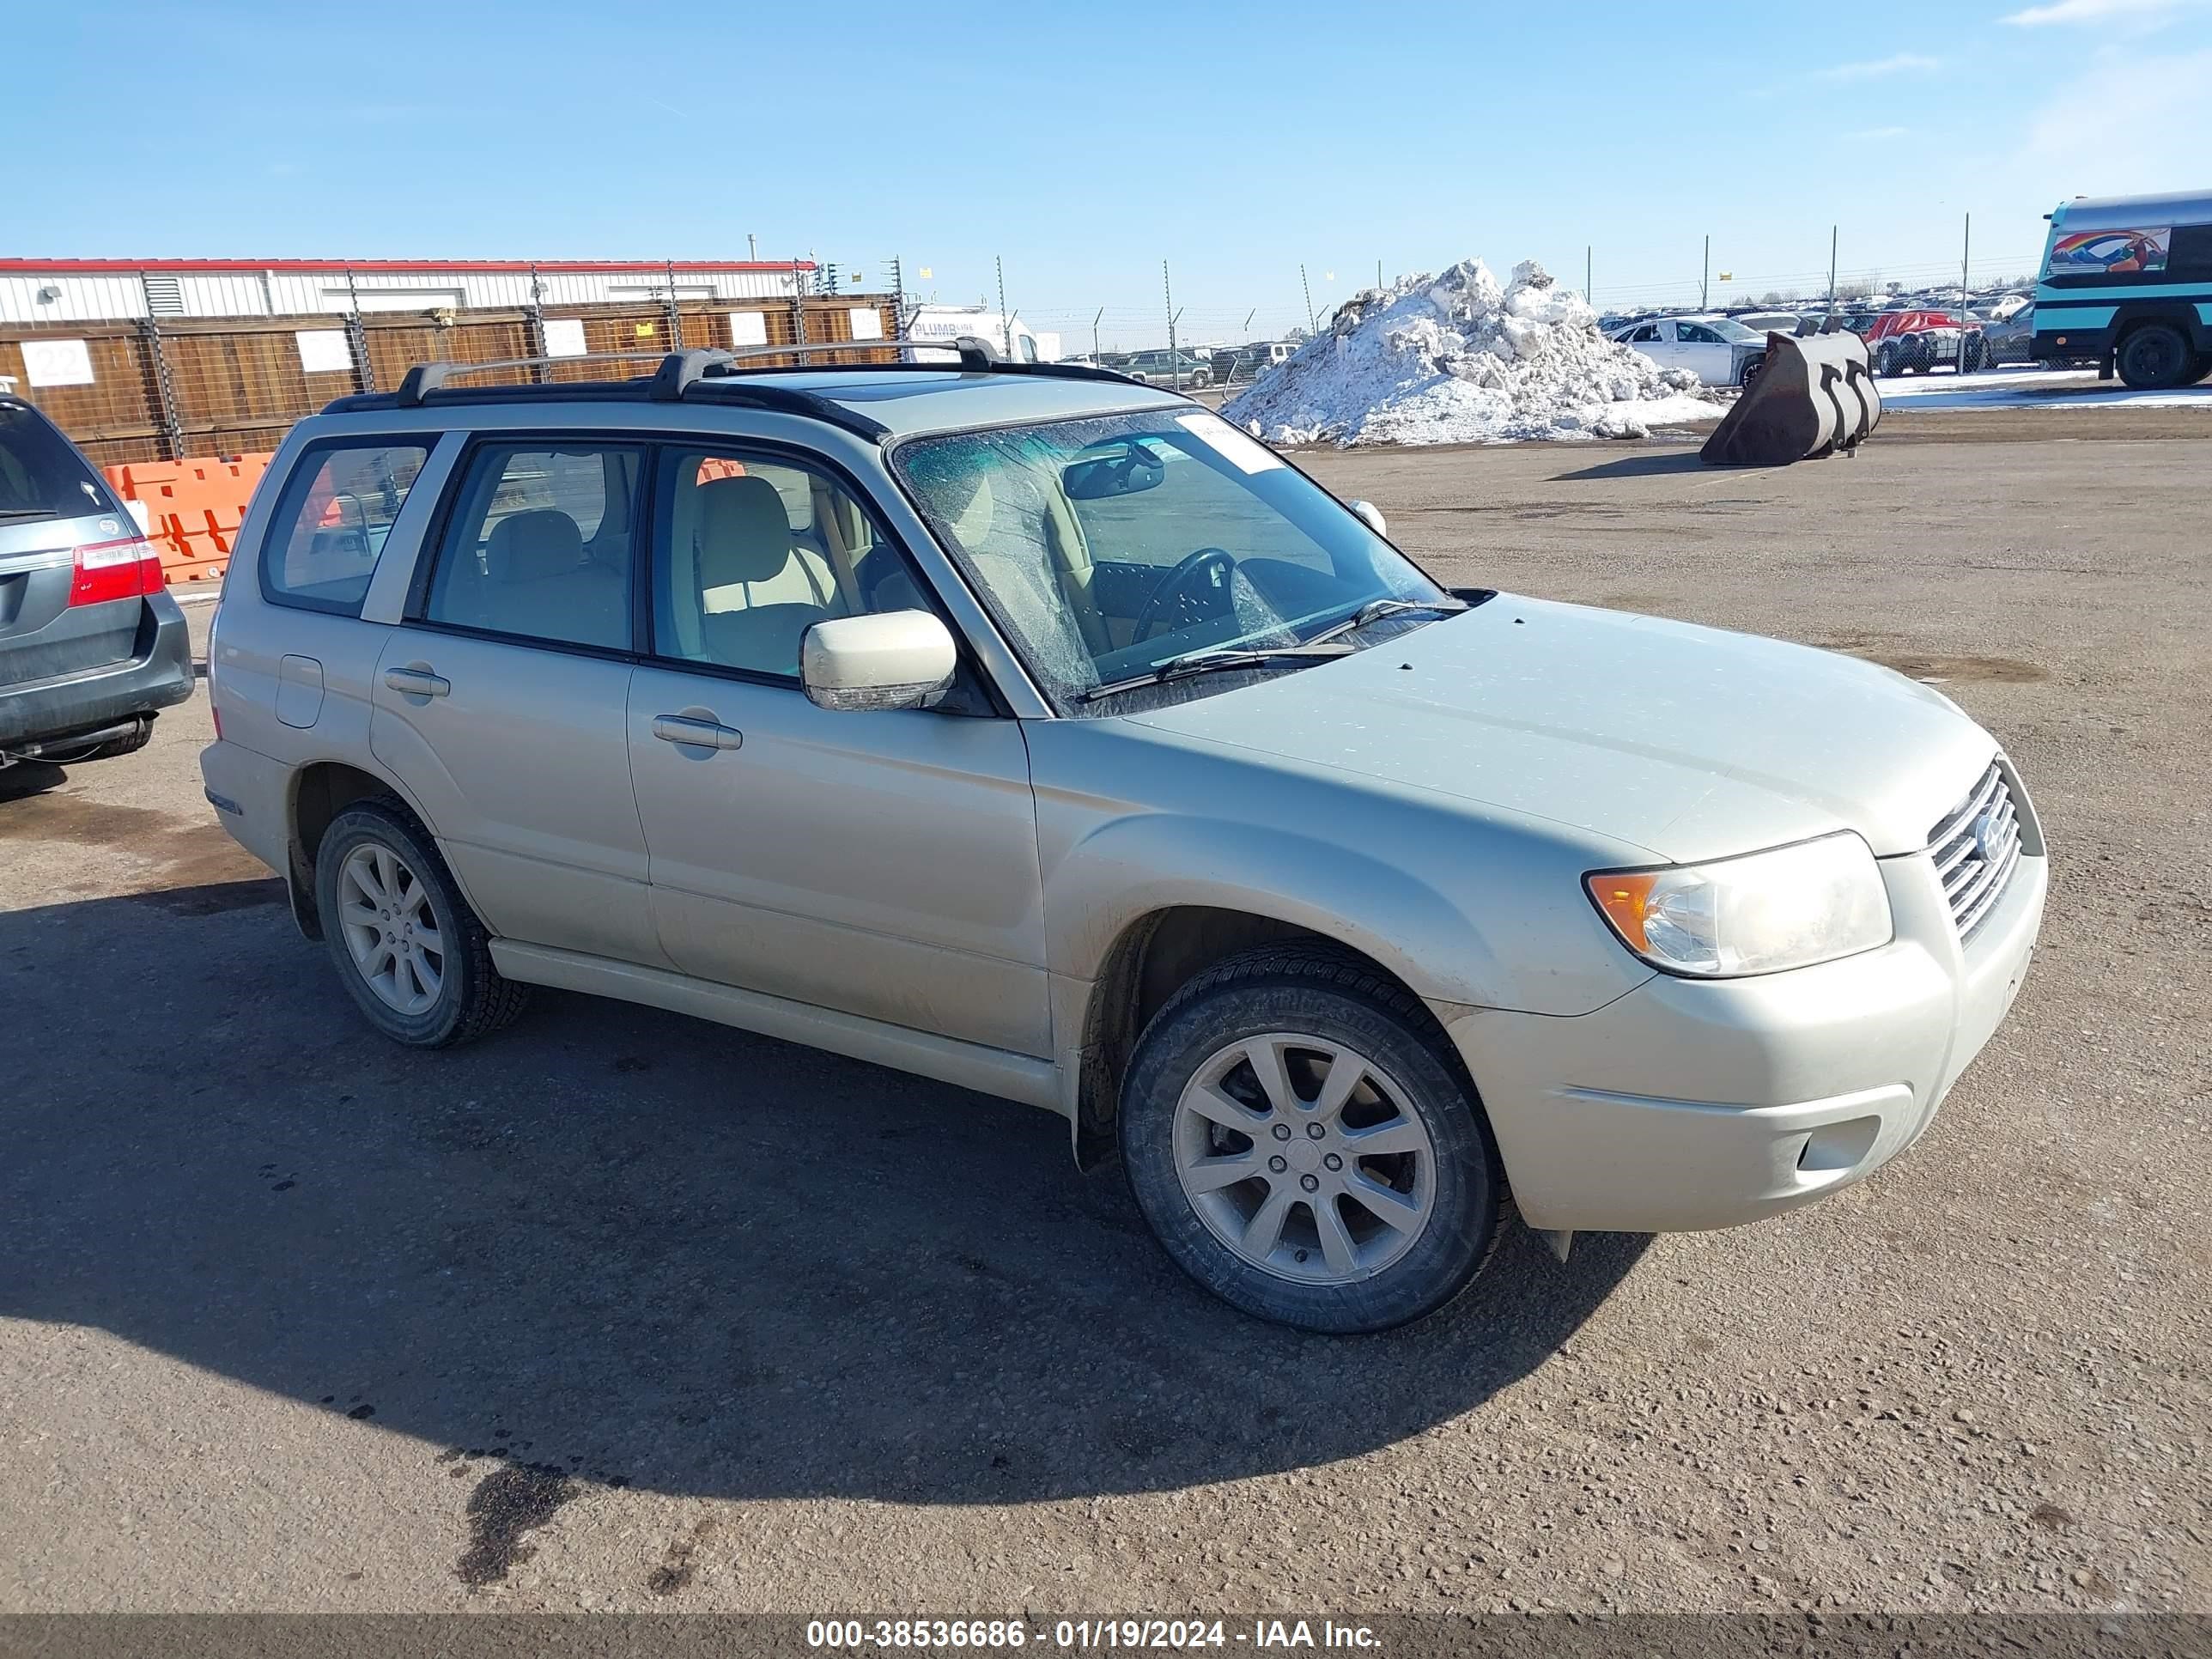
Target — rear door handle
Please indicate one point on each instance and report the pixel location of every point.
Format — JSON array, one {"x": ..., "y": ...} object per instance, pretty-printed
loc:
[
  {"x": 698, "y": 733},
  {"x": 416, "y": 682}
]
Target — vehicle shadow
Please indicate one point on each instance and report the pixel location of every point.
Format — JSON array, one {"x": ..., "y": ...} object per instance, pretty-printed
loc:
[
  {"x": 26, "y": 778},
  {"x": 617, "y": 1245},
  {"x": 1645, "y": 463}
]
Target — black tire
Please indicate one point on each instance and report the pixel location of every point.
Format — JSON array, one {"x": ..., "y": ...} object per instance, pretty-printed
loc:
[
  {"x": 1333, "y": 997},
  {"x": 2203, "y": 368},
  {"x": 1884, "y": 362},
  {"x": 2156, "y": 357},
  {"x": 473, "y": 1001},
  {"x": 1751, "y": 373}
]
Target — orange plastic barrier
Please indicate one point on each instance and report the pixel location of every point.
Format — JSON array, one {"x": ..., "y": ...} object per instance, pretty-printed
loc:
[{"x": 193, "y": 508}]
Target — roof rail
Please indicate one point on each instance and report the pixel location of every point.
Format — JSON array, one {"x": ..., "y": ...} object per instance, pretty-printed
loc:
[
  {"x": 738, "y": 376},
  {"x": 429, "y": 377},
  {"x": 681, "y": 370}
]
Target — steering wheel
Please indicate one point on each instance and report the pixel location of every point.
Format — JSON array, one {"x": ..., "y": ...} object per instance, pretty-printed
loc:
[{"x": 1182, "y": 582}]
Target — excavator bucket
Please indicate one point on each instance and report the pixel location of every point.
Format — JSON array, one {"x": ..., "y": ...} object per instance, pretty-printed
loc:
[{"x": 1814, "y": 395}]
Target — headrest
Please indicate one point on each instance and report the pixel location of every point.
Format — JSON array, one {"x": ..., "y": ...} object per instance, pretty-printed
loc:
[
  {"x": 526, "y": 546},
  {"x": 744, "y": 535}
]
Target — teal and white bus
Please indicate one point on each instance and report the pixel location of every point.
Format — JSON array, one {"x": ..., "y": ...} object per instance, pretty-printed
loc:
[{"x": 2127, "y": 280}]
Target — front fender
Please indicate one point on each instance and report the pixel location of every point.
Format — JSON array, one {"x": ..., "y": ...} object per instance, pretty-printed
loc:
[{"x": 1460, "y": 911}]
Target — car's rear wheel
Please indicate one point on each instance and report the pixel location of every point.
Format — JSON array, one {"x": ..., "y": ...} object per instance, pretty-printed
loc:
[
  {"x": 1885, "y": 361},
  {"x": 2156, "y": 357},
  {"x": 408, "y": 948},
  {"x": 1305, "y": 1145}
]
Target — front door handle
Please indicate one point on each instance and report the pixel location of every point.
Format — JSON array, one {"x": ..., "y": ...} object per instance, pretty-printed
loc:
[
  {"x": 417, "y": 681},
  {"x": 696, "y": 732}
]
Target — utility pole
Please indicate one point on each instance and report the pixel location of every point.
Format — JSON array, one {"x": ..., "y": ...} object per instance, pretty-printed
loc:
[
  {"x": 1101, "y": 311},
  {"x": 1378, "y": 273},
  {"x": 1706, "y": 281},
  {"x": 1589, "y": 283},
  {"x": 898, "y": 298},
  {"x": 1167, "y": 293},
  {"x": 1005, "y": 323},
  {"x": 1966, "y": 258},
  {"x": 1832, "y": 270},
  {"x": 752, "y": 247},
  {"x": 1312, "y": 327}
]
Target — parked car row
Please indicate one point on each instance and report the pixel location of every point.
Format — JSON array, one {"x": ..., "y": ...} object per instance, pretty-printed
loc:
[{"x": 1189, "y": 370}]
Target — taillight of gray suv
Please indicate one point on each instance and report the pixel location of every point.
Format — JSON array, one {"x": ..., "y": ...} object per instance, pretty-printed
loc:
[{"x": 91, "y": 644}]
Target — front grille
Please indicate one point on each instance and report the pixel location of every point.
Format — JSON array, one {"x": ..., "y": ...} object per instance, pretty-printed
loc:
[{"x": 1976, "y": 847}]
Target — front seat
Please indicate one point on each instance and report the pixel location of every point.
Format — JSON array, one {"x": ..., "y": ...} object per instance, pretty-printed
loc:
[
  {"x": 759, "y": 590},
  {"x": 748, "y": 555}
]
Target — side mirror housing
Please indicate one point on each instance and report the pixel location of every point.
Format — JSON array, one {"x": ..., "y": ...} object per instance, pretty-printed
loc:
[
  {"x": 1371, "y": 515},
  {"x": 894, "y": 659}
]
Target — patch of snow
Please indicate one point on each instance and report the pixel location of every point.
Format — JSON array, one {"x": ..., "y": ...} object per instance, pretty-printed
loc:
[
  {"x": 1456, "y": 358},
  {"x": 2032, "y": 386}
]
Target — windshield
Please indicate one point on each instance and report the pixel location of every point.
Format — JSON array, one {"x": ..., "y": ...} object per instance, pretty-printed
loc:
[{"x": 1107, "y": 547}]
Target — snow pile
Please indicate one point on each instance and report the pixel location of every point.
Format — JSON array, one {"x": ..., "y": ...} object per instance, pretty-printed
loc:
[{"x": 1456, "y": 359}]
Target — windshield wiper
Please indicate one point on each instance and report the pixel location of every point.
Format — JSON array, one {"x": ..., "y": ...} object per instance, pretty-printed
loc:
[
  {"x": 1207, "y": 662},
  {"x": 1376, "y": 610}
]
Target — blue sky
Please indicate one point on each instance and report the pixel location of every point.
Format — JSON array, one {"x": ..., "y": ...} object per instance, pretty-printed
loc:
[{"x": 1086, "y": 144}]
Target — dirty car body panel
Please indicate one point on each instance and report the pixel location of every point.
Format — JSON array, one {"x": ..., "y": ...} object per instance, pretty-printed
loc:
[{"x": 959, "y": 887}]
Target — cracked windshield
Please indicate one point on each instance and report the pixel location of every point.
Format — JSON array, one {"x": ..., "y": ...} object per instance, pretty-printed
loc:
[{"x": 1117, "y": 547}]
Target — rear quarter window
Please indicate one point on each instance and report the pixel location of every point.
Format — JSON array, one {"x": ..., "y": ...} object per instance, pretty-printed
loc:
[
  {"x": 41, "y": 474},
  {"x": 329, "y": 528}
]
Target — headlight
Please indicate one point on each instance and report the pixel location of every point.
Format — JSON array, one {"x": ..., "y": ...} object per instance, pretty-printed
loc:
[{"x": 1755, "y": 914}]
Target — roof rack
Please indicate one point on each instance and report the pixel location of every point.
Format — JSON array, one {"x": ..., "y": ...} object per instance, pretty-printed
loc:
[
  {"x": 736, "y": 375},
  {"x": 429, "y": 377}
]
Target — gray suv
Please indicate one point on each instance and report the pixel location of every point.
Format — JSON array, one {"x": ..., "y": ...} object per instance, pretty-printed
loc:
[
  {"x": 1026, "y": 728},
  {"x": 92, "y": 647}
]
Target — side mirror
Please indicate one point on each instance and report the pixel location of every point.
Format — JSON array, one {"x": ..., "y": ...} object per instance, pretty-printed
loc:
[
  {"x": 1371, "y": 515},
  {"x": 895, "y": 659}
]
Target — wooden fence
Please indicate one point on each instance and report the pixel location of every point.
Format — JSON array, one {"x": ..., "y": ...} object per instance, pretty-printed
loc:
[{"x": 167, "y": 389}]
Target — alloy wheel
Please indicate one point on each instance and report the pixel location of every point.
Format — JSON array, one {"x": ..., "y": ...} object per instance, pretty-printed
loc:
[
  {"x": 1304, "y": 1158},
  {"x": 390, "y": 929}
]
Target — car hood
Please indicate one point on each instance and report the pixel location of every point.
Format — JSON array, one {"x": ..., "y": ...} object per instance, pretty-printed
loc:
[{"x": 1693, "y": 742}]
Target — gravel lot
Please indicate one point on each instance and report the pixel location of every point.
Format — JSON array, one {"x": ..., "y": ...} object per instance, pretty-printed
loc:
[{"x": 619, "y": 1309}]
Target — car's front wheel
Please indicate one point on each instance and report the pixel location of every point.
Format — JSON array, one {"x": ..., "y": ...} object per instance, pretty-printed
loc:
[
  {"x": 409, "y": 948},
  {"x": 1304, "y": 1144}
]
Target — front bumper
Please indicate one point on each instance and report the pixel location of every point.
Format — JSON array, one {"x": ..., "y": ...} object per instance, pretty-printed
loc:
[
  {"x": 1695, "y": 1104},
  {"x": 157, "y": 675}
]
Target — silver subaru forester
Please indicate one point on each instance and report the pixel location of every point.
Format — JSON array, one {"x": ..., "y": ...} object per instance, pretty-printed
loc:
[{"x": 1040, "y": 732}]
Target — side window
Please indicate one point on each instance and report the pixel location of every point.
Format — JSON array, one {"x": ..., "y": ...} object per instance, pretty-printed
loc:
[
  {"x": 539, "y": 544},
  {"x": 2189, "y": 256},
  {"x": 1649, "y": 332},
  {"x": 331, "y": 524},
  {"x": 1691, "y": 334},
  {"x": 755, "y": 551}
]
